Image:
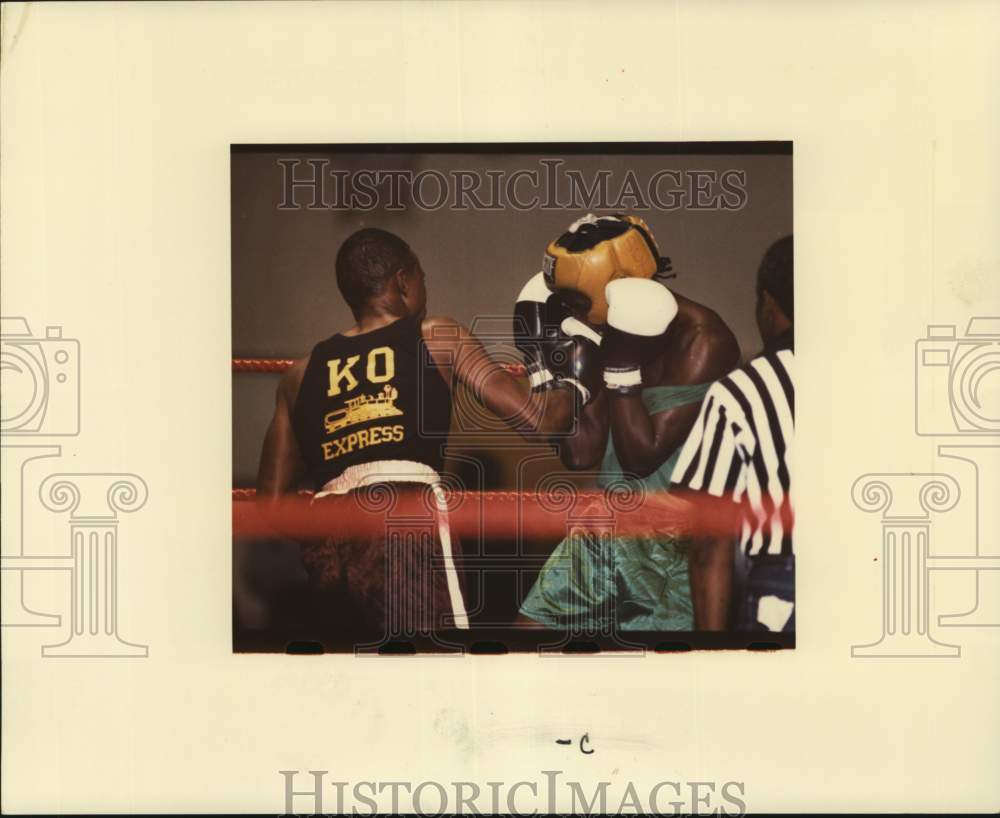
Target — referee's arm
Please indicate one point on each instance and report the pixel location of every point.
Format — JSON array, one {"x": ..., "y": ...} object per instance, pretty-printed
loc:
[
  {"x": 710, "y": 568},
  {"x": 711, "y": 462}
]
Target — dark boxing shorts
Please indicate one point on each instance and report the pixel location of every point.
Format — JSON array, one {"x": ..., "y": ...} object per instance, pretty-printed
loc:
[{"x": 401, "y": 579}]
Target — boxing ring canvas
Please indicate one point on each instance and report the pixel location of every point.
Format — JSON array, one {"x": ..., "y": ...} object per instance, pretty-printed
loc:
[{"x": 479, "y": 217}]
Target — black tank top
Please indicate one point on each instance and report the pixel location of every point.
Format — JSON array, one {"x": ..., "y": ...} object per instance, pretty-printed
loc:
[{"x": 370, "y": 397}]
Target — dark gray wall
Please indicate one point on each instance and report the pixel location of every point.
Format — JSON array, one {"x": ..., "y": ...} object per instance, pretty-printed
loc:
[{"x": 285, "y": 297}]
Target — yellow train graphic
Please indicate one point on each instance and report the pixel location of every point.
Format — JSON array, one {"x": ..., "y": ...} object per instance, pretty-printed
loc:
[{"x": 362, "y": 408}]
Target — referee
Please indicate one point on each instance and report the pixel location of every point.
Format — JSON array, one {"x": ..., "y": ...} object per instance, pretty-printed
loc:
[{"x": 739, "y": 449}]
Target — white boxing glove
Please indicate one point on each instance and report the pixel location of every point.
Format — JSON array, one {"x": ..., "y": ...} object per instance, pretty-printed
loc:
[{"x": 639, "y": 312}]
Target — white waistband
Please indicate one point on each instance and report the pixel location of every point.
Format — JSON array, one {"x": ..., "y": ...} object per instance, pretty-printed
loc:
[
  {"x": 380, "y": 471},
  {"x": 409, "y": 471}
]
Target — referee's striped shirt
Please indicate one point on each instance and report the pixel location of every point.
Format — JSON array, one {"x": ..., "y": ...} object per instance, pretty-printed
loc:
[{"x": 740, "y": 445}]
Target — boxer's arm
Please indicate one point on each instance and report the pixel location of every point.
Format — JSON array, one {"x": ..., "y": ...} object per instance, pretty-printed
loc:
[
  {"x": 460, "y": 357},
  {"x": 584, "y": 448},
  {"x": 643, "y": 441},
  {"x": 710, "y": 569},
  {"x": 281, "y": 466}
]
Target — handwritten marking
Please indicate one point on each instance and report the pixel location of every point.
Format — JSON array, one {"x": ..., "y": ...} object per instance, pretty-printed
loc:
[{"x": 584, "y": 740}]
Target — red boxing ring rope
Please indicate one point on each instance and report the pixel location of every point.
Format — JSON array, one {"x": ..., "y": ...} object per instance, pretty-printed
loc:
[
  {"x": 492, "y": 514},
  {"x": 279, "y": 365}
]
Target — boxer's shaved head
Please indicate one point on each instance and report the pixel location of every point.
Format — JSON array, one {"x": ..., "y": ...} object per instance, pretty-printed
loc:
[{"x": 367, "y": 262}]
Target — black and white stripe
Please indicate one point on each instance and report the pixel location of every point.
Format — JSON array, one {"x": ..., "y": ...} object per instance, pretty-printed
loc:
[{"x": 740, "y": 446}]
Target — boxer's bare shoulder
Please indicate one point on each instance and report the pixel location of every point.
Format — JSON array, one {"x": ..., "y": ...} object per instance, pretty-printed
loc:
[
  {"x": 441, "y": 335},
  {"x": 699, "y": 346},
  {"x": 443, "y": 327},
  {"x": 444, "y": 338}
]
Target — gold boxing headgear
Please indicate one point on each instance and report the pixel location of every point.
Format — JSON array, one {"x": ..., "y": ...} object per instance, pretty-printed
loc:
[{"x": 595, "y": 251}]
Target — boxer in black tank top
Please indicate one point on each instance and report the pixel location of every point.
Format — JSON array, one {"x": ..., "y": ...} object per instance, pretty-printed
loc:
[
  {"x": 372, "y": 396},
  {"x": 370, "y": 404}
]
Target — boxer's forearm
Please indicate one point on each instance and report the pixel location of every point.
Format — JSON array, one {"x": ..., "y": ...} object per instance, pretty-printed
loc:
[
  {"x": 277, "y": 477},
  {"x": 530, "y": 413},
  {"x": 557, "y": 410},
  {"x": 643, "y": 442},
  {"x": 633, "y": 433},
  {"x": 584, "y": 447},
  {"x": 281, "y": 466},
  {"x": 534, "y": 413}
]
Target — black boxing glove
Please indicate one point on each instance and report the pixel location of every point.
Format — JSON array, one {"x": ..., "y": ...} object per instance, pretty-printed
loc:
[
  {"x": 530, "y": 331},
  {"x": 574, "y": 359},
  {"x": 537, "y": 315},
  {"x": 639, "y": 312}
]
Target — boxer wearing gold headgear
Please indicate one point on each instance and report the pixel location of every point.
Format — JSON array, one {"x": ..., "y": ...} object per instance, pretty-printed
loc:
[
  {"x": 659, "y": 352},
  {"x": 595, "y": 251}
]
